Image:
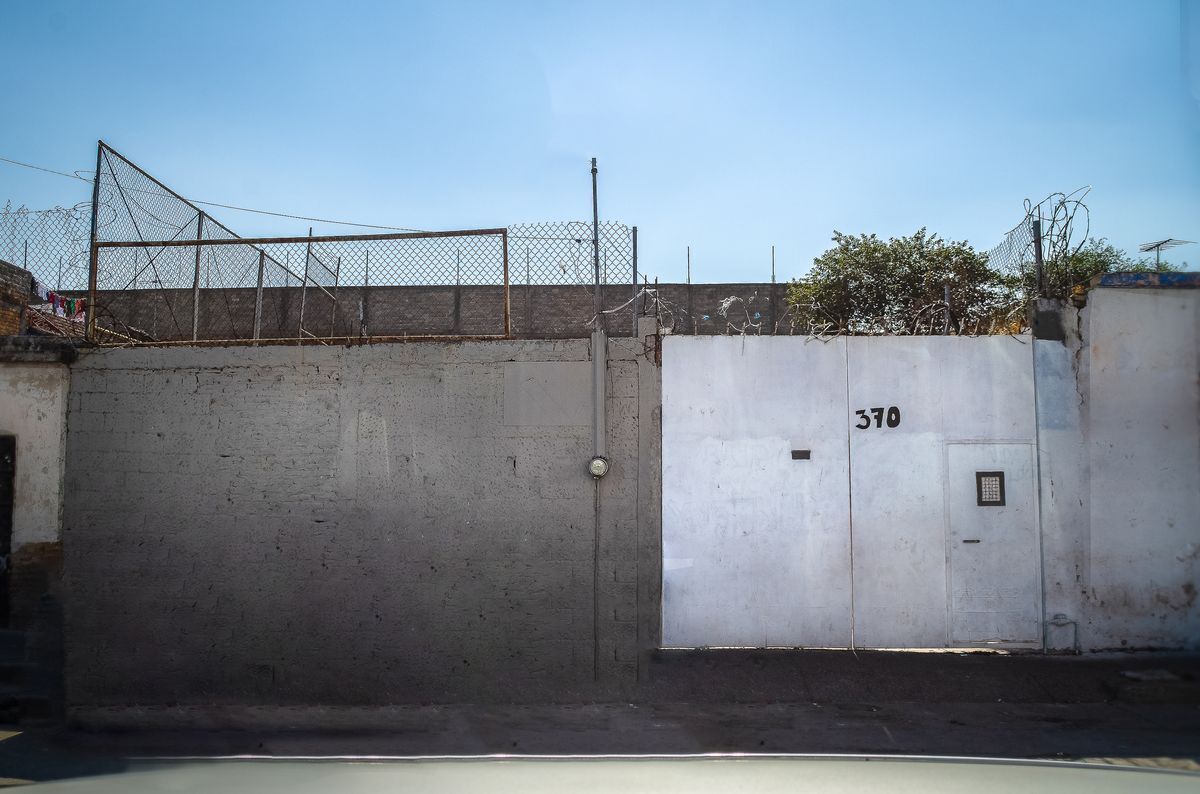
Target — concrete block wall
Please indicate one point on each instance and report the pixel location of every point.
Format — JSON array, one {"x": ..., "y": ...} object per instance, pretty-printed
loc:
[
  {"x": 16, "y": 288},
  {"x": 370, "y": 525},
  {"x": 537, "y": 311}
]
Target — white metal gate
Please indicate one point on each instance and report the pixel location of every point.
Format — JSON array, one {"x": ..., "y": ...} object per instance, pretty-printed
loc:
[{"x": 812, "y": 492}]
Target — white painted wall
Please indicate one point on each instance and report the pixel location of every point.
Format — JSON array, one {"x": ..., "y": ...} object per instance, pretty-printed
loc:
[
  {"x": 949, "y": 390},
  {"x": 1143, "y": 448},
  {"x": 1065, "y": 490},
  {"x": 33, "y": 400},
  {"x": 752, "y": 539},
  {"x": 757, "y": 546}
]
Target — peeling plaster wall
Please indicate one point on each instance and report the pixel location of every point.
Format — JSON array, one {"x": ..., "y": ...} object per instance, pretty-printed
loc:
[
  {"x": 1142, "y": 378},
  {"x": 1064, "y": 487},
  {"x": 33, "y": 408}
]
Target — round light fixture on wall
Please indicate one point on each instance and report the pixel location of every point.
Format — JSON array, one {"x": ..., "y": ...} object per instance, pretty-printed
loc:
[{"x": 598, "y": 467}]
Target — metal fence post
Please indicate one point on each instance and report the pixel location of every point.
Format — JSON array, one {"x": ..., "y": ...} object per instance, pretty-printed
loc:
[
  {"x": 1037, "y": 257},
  {"x": 337, "y": 279},
  {"x": 773, "y": 306},
  {"x": 262, "y": 260},
  {"x": 691, "y": 317},
  {"x": 528, "y": 296},
  {"x": 507, "y": 306},
  {"x": 304, "y": 289},
  {"x": 633, "y": 297},
  {"x": 196, "y": 280},
  {"x": 94, "y": 254},
  {"x": 364, "y": 300},
  {"x": 456, "y": 314}
]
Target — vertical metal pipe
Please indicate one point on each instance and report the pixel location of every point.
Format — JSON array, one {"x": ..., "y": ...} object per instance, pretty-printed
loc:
[
  {"x": 364, "y": 316},
  {"x": 528, "y": 296},
  {"x": 691, "y": 316},
  {"x": 337, "y": 278},
  {"x": 946, "y": 309},
  {"x": 304, "y": 288},
  {"x": 94, "y": 254},
  {"x": 262, "y": 260},
  {"x": 599, "y": 339},
  {"x": 774, "y": 302},
  {"x": 599, "y": 367},
  {"x": 196, "y": 279},
  {"x": 457, "y": 313},
  {"x": 633, "y": 297},
  {"x": 507, "y": 301},
  {"x": 596, "y": 248},
  {"x": 58, "y": 278}
]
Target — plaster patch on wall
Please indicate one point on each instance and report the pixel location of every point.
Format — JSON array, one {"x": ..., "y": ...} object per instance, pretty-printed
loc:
[{"x": 547, "y": 393}]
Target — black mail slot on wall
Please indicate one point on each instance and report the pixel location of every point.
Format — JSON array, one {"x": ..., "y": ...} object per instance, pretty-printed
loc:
[{"x": 801, "y": 454}]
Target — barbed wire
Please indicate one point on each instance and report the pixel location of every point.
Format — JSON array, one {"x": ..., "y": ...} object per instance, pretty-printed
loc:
[{"x": 1058, "y": 216}]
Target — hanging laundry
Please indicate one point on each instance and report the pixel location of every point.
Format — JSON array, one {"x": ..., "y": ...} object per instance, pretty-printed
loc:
[{"x": 41, "y": 290}]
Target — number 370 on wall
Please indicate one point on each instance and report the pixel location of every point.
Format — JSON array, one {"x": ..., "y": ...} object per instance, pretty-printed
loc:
[{"x": 864, "y": 420}]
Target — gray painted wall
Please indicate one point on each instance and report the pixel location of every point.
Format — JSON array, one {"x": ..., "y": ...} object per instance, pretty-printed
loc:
[{"x": 388, "y": 524}]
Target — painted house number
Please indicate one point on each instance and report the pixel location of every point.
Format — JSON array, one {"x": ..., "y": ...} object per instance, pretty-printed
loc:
[{"x": 864, "y": 420}]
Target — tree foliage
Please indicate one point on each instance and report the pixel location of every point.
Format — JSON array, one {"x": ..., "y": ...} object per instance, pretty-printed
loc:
[
  {"x": 1093, "y": 258},
  {"x": 865, "y": 285}
]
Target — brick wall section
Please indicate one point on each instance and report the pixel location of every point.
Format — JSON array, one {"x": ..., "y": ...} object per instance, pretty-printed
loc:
[
  {"x": 345, "y": 525},
  {"x": 537, "y": 312},
  {"x": 16, "y": 288}
]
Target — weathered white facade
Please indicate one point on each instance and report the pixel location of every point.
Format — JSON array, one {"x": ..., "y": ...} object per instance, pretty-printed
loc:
[
  {"x": 823, "y": 493},
  {"x": 1119, "y": 409},
  {"x": 33, "y": 409},
  {"x": 828, "y": 493}
]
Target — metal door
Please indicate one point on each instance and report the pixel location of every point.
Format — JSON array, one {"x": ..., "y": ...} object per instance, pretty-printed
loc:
[
  {"x": 755, "y": 525},
  {"x": 993, "y": 545}
]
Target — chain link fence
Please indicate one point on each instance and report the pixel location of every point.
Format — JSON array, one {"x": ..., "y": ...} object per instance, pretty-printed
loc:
[
  {"x": 1036, "y": 253},
  {"x": 330, "y": 288},
  {"x": 154, "y": 284},
  {"x": 52, "y": 244}
]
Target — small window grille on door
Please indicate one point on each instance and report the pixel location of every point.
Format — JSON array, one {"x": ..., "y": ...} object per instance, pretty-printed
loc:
[{"x": 989, "y": 488}]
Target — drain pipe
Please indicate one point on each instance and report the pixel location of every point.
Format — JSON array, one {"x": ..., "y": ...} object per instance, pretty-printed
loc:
[{"x": 1060, "y": 621}]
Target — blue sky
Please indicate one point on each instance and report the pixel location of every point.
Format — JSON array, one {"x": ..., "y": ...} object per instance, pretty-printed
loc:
[{"x": 728, "y": 127}]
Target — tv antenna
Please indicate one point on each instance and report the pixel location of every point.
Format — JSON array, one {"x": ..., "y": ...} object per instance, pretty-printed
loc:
[{"x": 1159, "y": 245}]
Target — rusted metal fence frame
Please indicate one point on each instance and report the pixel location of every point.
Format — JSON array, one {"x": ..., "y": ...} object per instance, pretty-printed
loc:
[{"x": 257, "y": 243}]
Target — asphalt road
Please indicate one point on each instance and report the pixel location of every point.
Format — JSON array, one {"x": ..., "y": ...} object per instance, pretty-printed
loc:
[{"x": 786, "y": 702}]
